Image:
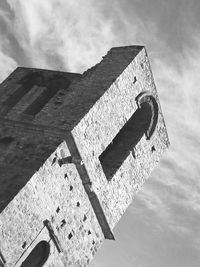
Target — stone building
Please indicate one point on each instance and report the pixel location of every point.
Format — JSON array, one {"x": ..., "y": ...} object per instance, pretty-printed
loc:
[{"x": 74, "y": 151}]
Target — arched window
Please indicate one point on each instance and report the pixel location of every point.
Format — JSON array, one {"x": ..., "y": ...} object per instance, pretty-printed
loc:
[
  {"x": 38, "y": 255},
  {"x": 142, "y": 122},
  {"x": 147, "y": 99}
]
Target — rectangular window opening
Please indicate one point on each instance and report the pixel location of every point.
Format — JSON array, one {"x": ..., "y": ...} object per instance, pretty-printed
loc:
[
  {"x": 27, "y": 82},
  {"x": 37, "y": 105},
  {"x": 124, "y": 142},
  {"x": 15, "y": 97}
]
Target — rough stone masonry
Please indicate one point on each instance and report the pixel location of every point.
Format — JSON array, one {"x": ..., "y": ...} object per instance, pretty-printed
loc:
[{"x": 74, "y": 151}]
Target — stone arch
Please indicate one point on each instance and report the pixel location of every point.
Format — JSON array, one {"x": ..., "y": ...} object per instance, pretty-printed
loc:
[
  {"x": 38, "y": 255},
  {"x": 147, "y": 99},
  {"x": 143, "y": 121}
]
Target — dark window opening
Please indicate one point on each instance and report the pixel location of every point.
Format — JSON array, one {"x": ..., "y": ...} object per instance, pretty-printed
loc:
[
  {"x": 63, "y": 222},
  {"x": 54, "y": 160},
  {"x": 145, "y": 97},
  {"x": 40, "y": 102},
  {"x": 58, "y": 209},
  {"x": 7, "y": 140},
  {"x": 53, "y": 86},
  {"x": 71, "y": 188},
  {"x": 124, "y": 142},
  {"x": 38, "y": 255},
  {"x": 70, "y": 236},
  {"x": 27, "y": 83},
  {"x": 24, "y": 245}
]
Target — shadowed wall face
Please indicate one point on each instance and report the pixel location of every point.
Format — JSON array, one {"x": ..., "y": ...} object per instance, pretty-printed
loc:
[
  {"x": 29, "y": 91},
  {"x": 52, "y": 87},
  {"x": 26, "y": 83}
]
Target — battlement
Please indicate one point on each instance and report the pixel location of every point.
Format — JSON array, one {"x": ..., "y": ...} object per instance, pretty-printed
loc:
[{"x": 75, "y": 149}]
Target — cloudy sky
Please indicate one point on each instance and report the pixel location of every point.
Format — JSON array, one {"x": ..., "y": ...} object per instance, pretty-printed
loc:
[{"x": 162, "y": 226}]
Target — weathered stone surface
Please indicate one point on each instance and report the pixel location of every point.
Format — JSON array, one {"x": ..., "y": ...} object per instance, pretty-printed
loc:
[
  {"x": 107, "y": 129},
  {"x": 100, "y": 125},
  {"x": 57, "y": 194}
]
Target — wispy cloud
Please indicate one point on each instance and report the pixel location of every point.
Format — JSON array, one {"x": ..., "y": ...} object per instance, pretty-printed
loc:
[
  {"x": 7, "y": 63},
  {"x": 56, "y": 34},
  {"x": 72, "y": 36}
]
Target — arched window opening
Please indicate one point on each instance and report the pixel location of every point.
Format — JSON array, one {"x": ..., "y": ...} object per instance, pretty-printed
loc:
[
  {"x": 52, "y": 87},
  {"x": 145, "y": 97},
  {"x": 27, "y": 83},
  {"x": 38, "y": 255},
  {"x": 124, "y": 142}
]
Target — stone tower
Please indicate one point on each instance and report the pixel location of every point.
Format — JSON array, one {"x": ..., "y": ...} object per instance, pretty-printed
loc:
[{"x": 74, "y": 151}]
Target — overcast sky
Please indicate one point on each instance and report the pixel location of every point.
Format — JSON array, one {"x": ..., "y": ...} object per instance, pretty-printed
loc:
[{"x": 161, "y": 228}]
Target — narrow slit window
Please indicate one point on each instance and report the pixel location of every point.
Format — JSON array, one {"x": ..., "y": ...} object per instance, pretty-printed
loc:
[
  {"x": 38, "y": 255},
  {"x": 127, "y": 138}
]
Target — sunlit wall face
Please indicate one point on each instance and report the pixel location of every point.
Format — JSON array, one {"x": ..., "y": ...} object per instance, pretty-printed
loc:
[{"x": 161, "y": 228}]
